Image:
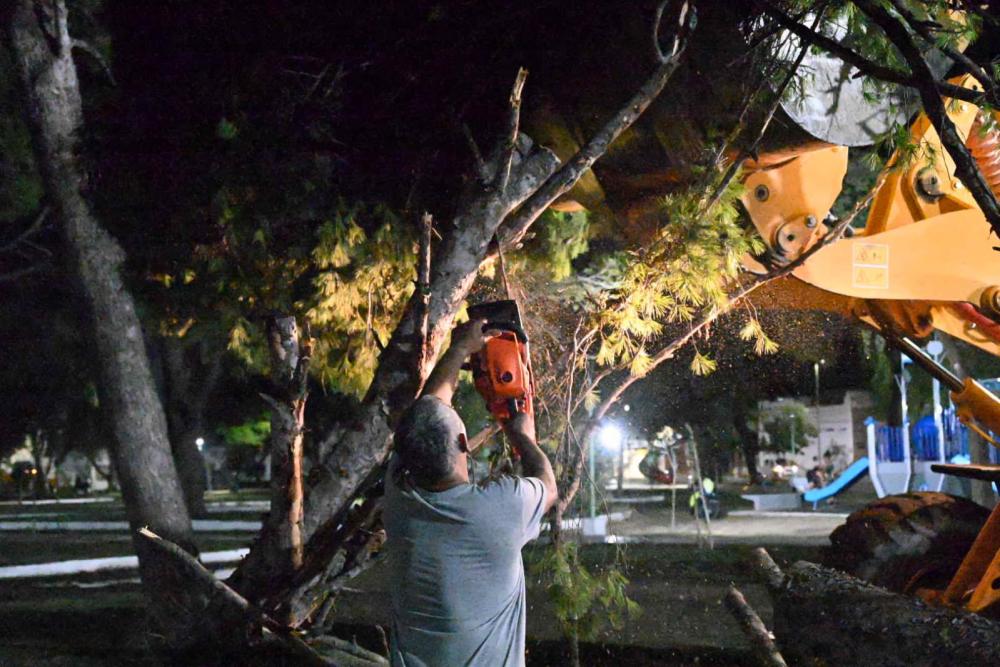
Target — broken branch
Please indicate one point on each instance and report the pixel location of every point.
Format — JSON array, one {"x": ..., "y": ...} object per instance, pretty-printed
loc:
[
  {"x": 761, "y": 642},
  {"x": 502, "y": 176},
  {"x": 197, "y": 572}
]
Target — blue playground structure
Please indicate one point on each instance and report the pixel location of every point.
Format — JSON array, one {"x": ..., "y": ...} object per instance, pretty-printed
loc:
[
  {"x": 853, "y": 473},
  {"x": 900, "y": 461}
]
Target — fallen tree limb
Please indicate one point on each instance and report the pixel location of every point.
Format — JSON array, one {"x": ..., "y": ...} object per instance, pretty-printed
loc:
[
  {"x": 761, "y": 641},
  {"x": 767, "y": 569},
  {"x": 825, "y": 617},
  {"x": 233, "y": 601}
]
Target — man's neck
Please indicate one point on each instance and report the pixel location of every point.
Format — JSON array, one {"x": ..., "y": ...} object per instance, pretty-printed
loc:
[{"x": 459, "y": 475}]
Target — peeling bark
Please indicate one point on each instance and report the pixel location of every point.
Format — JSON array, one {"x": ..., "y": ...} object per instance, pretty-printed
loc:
[{"x": 825, "y": 617}]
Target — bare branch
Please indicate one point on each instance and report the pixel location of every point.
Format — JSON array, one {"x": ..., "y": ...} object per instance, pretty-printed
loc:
[
  {"x": 862, "y": 64},
  {"x": 424, "y": 287},
  {"x": 768, "y": 570},
  {"x": 482, "y": 171},
  {"x": 20, "y": 273},
  {"x": 94, "y": 53},
  {"x": 751, "y": 149},
  {"x": 965, "y": 165},
  {"x": 204, "y": 578},
  {"x": 514, "y": 228},
  {"x": 761, "y": 641},
  {"x": 962, "y": 60},
  {"x": 29, "y": 232},
  {"x": 502, "y": 177}
]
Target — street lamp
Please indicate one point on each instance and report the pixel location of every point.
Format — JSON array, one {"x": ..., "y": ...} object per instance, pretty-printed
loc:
[
  {"x": 199, "y": 443},
  {"x": 610, "y": 439}
]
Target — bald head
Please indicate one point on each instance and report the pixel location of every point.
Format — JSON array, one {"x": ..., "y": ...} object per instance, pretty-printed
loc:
[{"x": 429, "y": 438}]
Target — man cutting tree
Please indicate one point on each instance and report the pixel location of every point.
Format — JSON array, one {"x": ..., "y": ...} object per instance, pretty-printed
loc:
[{"x": 455, "y": 547}]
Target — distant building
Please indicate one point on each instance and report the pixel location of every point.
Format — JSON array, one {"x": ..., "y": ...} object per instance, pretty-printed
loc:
[{"x": 840, "y": 427}]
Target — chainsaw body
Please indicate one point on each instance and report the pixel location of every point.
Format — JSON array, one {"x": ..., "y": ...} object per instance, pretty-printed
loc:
[{"x": 501, "y": 371}]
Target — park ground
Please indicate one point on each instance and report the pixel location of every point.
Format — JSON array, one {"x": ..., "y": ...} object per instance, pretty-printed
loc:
[{"x": 95, "y": 618}]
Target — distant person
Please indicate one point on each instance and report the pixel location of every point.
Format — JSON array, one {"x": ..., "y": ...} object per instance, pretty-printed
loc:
[
  {"x": 457, "y": 578},
  {"x": 81, "y": 485},
  {"x": 816, "y": 478}
]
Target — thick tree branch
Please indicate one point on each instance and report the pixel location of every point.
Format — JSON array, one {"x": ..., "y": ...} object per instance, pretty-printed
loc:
[
  {"x": 231, "y": 599},
  {"x": 965, "y": 62},
  {"x": 92, "y": 51},
  {"x": 965, "y": 165},
  {"x": 761, "y": 641}
]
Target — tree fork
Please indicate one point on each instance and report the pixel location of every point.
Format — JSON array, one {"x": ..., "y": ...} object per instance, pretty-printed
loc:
[{"x": 354, "y": 452}]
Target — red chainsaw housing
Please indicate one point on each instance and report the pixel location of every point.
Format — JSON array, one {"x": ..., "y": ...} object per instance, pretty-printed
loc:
[{"x": 502, "y": 375}]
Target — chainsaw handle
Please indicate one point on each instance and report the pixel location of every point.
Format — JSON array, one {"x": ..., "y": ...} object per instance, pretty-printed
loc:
[{"x": 506, "y": 326}]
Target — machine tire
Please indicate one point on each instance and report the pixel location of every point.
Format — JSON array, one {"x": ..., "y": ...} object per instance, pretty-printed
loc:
[{"x": 907, "y": 541}]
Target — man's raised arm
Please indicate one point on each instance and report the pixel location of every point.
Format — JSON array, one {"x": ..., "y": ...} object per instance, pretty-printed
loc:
[
  {"x": 534, "y": 463},
  {"x": 466, "y": 339}
]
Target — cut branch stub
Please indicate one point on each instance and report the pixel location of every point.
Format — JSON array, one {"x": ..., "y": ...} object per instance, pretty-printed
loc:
[{"x": 513, "y": 122}]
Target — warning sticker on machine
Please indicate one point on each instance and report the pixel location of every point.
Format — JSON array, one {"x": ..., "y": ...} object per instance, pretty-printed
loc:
[{"x": 871, "y": 265}]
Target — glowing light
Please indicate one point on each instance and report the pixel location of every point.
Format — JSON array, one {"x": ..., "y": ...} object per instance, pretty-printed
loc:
[
  {"x": 200, "y": 442},
  {"x": 610, "y": 438}
]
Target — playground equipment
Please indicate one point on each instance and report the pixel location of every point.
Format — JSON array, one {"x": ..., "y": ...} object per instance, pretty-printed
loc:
[{"x": 853, "y": 473}]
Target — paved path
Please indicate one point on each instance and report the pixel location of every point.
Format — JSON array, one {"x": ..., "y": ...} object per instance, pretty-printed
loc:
[
  {"x": 62, "y": 568},
  {"x": 738, "y": 527},
  {"x": 199, "y": 526}
]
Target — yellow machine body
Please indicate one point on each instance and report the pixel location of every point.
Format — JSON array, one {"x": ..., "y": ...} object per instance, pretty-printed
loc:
[{"x": 925, "y": 260}]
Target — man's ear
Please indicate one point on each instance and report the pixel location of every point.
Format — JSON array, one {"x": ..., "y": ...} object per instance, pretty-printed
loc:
[{"x": 463, "y": 443}]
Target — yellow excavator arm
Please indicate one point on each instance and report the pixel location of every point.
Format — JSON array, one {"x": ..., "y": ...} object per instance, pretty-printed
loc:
[{"x": 925, "y": 259}]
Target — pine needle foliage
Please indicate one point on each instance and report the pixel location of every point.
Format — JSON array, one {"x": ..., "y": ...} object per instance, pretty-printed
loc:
[
  {"x": 584, "y": 601},
  {"x": 683, "y": 273}
]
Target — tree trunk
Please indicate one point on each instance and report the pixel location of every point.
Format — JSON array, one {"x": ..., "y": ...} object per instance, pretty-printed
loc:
[
  {"x": 43, "y": 51},
  {"x": 824, "y": 617},
  {"x": 749, "y": 441},
  {"x": 39, "y": 447},
  {"x": 188, "y": 384},
  {"x": 353, "y": 451}
]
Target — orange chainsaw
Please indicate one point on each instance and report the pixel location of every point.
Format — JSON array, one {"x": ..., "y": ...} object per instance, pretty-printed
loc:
[{"x": 501, "y": 371}]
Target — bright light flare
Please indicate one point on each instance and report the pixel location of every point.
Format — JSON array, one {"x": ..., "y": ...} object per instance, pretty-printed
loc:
[{"x": 610, "y": 438}]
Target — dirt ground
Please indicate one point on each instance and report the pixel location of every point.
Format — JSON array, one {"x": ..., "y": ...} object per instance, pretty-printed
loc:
[{"x": 96, "y": 619}]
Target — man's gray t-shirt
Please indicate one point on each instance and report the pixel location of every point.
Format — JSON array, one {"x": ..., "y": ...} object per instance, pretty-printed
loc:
[{"x": 457, "y": 575}]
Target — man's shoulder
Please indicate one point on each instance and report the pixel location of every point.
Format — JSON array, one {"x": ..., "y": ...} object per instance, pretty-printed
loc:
[{"x": 511, "y": 485}]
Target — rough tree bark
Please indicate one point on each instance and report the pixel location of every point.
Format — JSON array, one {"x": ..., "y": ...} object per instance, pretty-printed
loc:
[
  {"x": 290, "y": 354},
  {"x": 749, "y": 440},
  {"x": 825, "y": 617},
  {"x": 42, "y": 48}
]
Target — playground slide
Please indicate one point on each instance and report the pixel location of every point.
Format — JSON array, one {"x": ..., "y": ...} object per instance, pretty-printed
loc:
[{"x": 846, "y": 478}]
